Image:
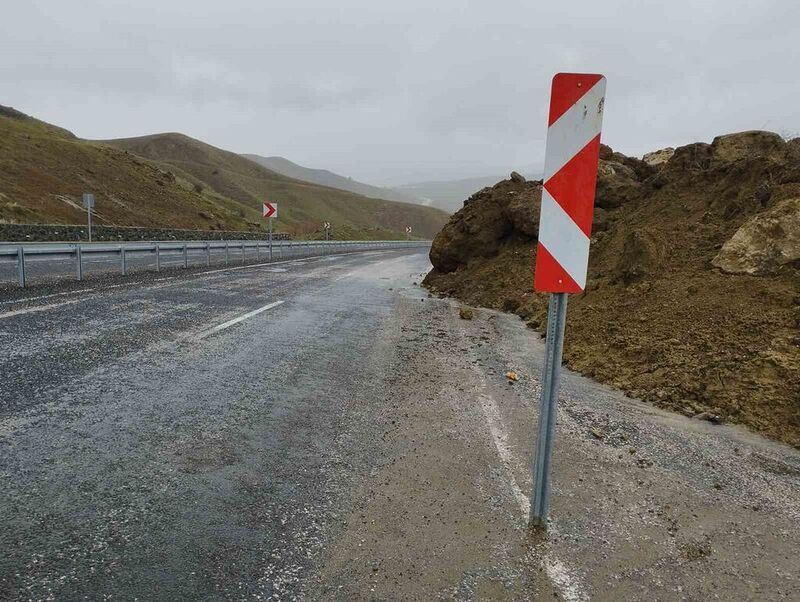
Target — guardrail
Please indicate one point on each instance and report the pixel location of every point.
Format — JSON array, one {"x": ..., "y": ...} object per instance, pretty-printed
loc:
[{"x": 158, "y": 251}]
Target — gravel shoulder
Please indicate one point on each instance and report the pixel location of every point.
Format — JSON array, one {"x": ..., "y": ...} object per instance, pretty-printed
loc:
[{"x": 647, "y": 504}]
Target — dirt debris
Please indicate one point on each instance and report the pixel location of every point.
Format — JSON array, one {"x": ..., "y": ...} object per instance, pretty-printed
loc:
[
  {"x": 765, "y": 243},
  {"x": 665, "y": 317}
]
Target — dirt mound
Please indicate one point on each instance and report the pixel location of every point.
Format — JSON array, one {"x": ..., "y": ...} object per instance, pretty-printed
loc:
[
  {"x": 659, "y": 318},
  {"x": 659, "y": 157},
  {"x": 486, "y": 221}
]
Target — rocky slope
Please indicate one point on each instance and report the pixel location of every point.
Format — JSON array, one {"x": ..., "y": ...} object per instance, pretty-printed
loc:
[{"x": 693, "y": 297}]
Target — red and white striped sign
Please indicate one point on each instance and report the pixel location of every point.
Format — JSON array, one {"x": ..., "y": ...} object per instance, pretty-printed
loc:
[
  {"x": 270, "y": 210},
  {"x": 570, "y": 178}
]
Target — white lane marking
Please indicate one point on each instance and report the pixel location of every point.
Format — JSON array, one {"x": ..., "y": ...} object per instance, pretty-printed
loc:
[
  {"x": 253, "y": 265},
  {"x": 500, "y": 437},
  {"x": 30, "y": 310},
  {"x": 241, "y": 318},
  {"x": 564, "y": 579},
  {"x": 75, "y": 292},
  {"x": 40, "y": 297},
  {"x": 343, "y": 276}
]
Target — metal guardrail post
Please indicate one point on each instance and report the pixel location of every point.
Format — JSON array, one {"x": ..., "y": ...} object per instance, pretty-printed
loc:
[
  {"x": 158, "y": 258},
  {"x": 244, "y": 258},
  {"x": 21, "y": 265},
  {"x": 208, "y": 253},
  {"x": 123, "y": 262},
  {"x": 78, "y": 263},
  {"x": 258, "y": 251},
  {"x": 185, "y": 257},
  {"x": 226, "y": 252}
]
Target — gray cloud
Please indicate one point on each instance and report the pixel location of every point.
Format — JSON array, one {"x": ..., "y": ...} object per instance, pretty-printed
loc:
[{"x": 392, "y": 92}]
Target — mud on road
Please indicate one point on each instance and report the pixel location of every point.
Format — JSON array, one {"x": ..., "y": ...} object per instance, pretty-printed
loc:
[{"x": 647, "y": 505}]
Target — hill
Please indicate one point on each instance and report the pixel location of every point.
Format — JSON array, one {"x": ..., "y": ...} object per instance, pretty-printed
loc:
[
  {"x": 324, "y": 177},
  {"x": 173, "y": 181},
  {"x": 303, "y": 205},
  {"x": 44, "y": 171},
  {"x": 693, "y": 296},
  {"x": 447, "y": 195}
]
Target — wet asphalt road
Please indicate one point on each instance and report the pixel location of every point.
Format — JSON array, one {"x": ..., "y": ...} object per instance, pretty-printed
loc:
[
  {"x": 323, "y": 429},
  {"x": 141, "y": 455}
]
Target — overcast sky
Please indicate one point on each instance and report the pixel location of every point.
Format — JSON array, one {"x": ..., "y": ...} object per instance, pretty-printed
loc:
[{"x": 393, "y": 92}]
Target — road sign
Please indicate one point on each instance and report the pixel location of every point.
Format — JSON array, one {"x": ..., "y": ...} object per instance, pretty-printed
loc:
[
  {"x": 271, "y": 210},
  {"x": 565, "y": 227},
  {"x": 88, "y": 202},
  {"x": 570, "y": 177}
]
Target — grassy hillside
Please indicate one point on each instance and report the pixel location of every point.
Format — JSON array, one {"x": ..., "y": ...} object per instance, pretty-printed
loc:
[
  {"x": 171, "y": 180},
  {"x": 303, "y": 206},
  {"x": 324, "y": 177},
  {"x": 44, "y": 170}
]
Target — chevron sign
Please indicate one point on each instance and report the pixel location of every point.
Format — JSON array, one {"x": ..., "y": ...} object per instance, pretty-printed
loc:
[
  {"x": 270, "y": 210},
  {"x": 570, "y": 178}
]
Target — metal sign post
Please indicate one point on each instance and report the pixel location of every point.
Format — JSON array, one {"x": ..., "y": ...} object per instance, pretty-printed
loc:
[
  {"x": 565, "y": 226},
  {"x": 556, "y": 320},
  {"x": 88, "y": 202},
  {"x": 270, "y": 211}
]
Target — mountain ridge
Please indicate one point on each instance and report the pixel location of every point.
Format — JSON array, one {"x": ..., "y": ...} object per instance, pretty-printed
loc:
[
  {"x": 325, "y": 177},
  {"x": 175, "y": 181},
  {"x": 304, "y": 205}
]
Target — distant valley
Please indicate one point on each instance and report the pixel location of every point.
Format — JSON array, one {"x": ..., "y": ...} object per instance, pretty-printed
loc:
[
  {"x": 324, "y": 177},
  {"x": 447, "y": 195}
]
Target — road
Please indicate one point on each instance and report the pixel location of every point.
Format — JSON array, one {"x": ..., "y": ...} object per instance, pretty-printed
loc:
[{"x": 323, "y": 429}]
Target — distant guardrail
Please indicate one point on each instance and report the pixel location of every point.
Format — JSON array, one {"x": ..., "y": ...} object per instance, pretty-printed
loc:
[{"x": 61, "y": 259}]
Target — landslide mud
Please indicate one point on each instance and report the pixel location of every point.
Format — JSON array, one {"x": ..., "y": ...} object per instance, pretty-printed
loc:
[{"x": 657, "y": 319}]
